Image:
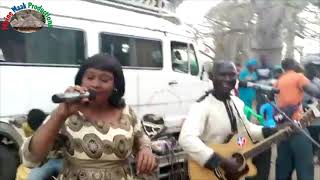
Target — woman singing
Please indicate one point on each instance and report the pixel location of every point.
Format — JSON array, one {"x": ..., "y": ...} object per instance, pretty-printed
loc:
[{"x": 99, "y": 134}]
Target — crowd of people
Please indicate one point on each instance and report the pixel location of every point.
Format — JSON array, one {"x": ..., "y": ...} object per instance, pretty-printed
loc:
[
  {"x": 296, "y": 92},
  {"x": 97, "y": 136}
]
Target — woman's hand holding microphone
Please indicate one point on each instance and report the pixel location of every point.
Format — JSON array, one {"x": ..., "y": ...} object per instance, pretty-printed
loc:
[{"x": 72, "y": 100}]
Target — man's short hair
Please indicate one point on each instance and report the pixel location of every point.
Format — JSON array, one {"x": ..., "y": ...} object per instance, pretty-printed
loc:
[
  {"x": 217, "y": 65},
  {"x": 35, "y": 118},
  {"x": 289, "y": 64}
]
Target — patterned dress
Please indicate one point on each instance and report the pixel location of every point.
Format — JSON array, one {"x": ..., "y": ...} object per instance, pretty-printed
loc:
[{"x": 97, "y": 151}]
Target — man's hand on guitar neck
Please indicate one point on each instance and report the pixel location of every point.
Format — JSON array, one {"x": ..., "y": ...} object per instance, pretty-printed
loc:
[{"x": 266, "y": 131}]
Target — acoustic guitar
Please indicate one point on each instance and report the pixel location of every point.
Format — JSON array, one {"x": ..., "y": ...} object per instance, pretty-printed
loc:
[{"x": 243, "y": 150}]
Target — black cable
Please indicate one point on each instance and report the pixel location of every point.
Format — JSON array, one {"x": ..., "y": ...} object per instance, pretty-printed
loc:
[
  {"x": 172, "y": 164},
  {"x": 177, "y": 171},
  {"x": 176, "y": 163},
  {"x": 173, "y": 160},
  {"x": 168, "y": 159}
]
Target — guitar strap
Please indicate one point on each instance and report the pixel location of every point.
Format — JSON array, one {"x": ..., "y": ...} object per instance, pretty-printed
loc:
[
  {"x": 232, "y": 118},
  {"x": 235, "y": 107}
]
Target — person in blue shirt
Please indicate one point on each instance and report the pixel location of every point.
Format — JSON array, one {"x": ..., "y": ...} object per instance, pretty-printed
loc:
[
  {"x": 267, "y": 111},
  {"x": 262, "y": 161}
]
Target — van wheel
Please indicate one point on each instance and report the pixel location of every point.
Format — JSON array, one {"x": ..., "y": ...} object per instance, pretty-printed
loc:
[{"x": 9, "y": 161}]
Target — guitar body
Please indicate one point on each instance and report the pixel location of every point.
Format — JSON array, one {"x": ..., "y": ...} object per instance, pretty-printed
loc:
[{"x": 235, "y": 146}]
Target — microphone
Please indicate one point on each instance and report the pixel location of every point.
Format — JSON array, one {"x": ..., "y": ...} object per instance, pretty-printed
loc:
[
  {"x": 72, "y": 96},
  {"x": 259, "y": 87}
]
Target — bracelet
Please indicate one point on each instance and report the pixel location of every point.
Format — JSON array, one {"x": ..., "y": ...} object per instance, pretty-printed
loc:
[{"x": 145, "y": 145}]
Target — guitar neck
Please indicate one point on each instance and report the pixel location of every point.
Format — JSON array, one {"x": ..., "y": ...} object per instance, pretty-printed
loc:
[
  {"x": 282, "y": 134},
  {"x": 307, "y": 118},
  {"x": 266, "y": 143}
]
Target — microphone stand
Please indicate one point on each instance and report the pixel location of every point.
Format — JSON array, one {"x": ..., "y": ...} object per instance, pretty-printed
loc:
[{"x": 292, "y": 122}]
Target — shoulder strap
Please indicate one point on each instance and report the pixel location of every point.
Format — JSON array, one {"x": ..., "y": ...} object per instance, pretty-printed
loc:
[
  {"x": 242, "y": 121},
  {"x": 205, "y": 95},
  {"x": 231, "y": 115}
]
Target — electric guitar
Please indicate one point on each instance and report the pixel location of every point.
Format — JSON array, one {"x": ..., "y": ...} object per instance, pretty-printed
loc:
[{"x": 243, "y": 150}]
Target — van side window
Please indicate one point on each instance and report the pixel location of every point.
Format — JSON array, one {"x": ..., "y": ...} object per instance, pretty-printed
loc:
[
  {"x": 47, "y": 46},
  {"x": 132, "y": 51},
  {"x": 182, "y": 55}
]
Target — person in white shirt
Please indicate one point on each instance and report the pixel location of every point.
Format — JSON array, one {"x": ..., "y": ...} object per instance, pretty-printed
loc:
[{"x": 215, "y": 117}]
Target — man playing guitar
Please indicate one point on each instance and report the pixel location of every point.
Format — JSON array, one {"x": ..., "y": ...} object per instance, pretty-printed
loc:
[{"x": 215, "y": 118}]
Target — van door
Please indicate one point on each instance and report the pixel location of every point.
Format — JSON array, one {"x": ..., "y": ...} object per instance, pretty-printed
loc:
[{"x": 185, "y": 79}]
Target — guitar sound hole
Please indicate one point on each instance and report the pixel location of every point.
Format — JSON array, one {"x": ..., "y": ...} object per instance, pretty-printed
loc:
[{"x": 240, "y": 159}]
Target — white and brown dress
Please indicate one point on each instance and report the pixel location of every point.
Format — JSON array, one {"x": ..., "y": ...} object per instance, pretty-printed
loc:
[{"x": 97, "y": 151}]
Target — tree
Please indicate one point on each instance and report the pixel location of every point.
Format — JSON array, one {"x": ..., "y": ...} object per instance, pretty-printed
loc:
[{"x": 260, "y": 27}]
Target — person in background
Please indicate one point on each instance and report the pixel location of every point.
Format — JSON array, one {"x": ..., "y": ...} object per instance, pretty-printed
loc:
[
  {"x": 267, "y": 111},
  {"x": 312, "y": 71},
  {"x": 257, "y": 117},
  {"x": 264, "y": 73},
  {"x": 235, "y": 91},
  {"x": 276, "y": 73},
  {"x": 295, "y": 152},
  {"x": 49, "y": 168},
  {"x": 264, "y": 69},
  {"x": 35, "y": 118},
  {"x": 262, "y": 160},
  {"x": 238, "y": 67},
  {"x": 248, "y": 95}
]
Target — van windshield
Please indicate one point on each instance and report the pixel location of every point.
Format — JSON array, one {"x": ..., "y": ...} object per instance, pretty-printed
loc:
[{"x": 47, "y": 46}]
